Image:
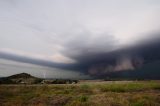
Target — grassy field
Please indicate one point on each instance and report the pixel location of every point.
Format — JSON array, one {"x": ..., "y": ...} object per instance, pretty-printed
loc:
[{"x": 86, "y": 93}]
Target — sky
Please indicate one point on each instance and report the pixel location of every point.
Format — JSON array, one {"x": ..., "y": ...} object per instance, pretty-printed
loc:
[{"x": 77, "y": 39}]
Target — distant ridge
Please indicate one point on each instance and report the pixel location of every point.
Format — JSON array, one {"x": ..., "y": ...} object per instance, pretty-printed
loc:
[
  {"x": 21, "y": 75},
  {"x": 22, "y": 78},
  {"x": 25, "y": 78}
]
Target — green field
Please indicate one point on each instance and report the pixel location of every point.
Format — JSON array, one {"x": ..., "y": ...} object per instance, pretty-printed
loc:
[{"x": 91, "y": 93}]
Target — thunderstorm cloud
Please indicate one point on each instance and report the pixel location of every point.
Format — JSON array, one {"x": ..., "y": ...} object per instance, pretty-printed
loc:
[{"x": 78, "y": 39}]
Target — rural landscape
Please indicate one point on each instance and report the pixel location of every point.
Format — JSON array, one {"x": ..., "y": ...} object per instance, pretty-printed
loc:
[
  {"x": 82, "y": 93},
  {"x": 79, "y": 52}
]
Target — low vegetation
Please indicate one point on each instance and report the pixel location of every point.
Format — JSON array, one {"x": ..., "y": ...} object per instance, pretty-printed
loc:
[{"x": 133, "y": 93}]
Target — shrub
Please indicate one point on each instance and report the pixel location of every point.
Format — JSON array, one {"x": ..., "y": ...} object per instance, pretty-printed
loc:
[{"x": 83, "y": 98}]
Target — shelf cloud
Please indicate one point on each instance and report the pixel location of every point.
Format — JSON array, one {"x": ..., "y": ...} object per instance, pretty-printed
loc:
[{"x": 89, "y": 37}]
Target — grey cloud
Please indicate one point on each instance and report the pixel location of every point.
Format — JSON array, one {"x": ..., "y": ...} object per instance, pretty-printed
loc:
[
  {"x": 121, "y": 64},
  {"x": 92, "y": 33},
  {"x": 86, "y": 43},
  {"x": 36, "y": 61}
]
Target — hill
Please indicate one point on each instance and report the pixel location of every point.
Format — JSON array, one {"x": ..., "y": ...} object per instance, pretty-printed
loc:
[
  {"x": 22, "y": 78},
  {"x": 21, "y": 75}
]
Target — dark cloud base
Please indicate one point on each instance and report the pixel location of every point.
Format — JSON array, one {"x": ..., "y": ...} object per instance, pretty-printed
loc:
[
  {"x": 141, "y": 61},
  {"x": 147, "y": 72}
]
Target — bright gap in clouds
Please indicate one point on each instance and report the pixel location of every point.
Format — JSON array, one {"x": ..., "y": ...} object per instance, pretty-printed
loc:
[{"x": 8, "y": 67}]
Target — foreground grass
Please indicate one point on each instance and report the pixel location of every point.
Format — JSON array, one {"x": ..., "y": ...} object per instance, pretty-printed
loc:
[{"x": 89, "y": 94}]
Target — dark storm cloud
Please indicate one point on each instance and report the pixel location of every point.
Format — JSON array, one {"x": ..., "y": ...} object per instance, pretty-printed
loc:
[
  {"x": 129, "y": 58},
  {"x": 91, "y": 37},
  {"x": 100, "y": 62},
  {"x": 86, "y": 44}
]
